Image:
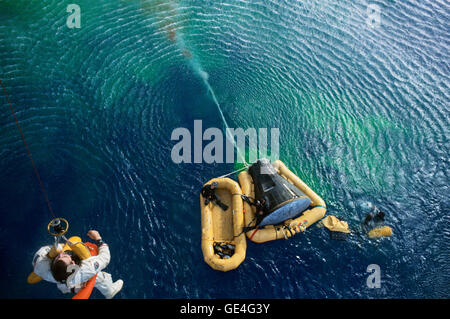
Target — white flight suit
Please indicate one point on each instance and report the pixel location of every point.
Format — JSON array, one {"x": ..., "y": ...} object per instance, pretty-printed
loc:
[{"x": 88, "y": 268}]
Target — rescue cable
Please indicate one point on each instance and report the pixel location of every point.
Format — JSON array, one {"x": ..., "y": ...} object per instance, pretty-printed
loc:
[
  {"x": 54, "y": 228},
  {"x": 28, "y": 151},
  {"x": 55, "y": 223}
]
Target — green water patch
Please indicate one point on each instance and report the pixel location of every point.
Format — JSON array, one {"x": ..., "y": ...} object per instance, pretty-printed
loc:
[
  {"x": 21, "y": 12},
  {"x": 355, "y": 136},
  {"x": 306, "y": 161},
  {"x": 248, "y": 154},
  {"x": 325, "y": 133}
]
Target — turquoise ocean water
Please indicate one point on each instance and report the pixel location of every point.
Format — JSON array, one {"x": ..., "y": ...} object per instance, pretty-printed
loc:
[{"x": 359, "y": 91}]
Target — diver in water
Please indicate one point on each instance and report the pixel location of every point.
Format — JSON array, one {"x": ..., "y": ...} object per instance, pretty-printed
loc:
[
  {"x": 374, "y": 219},
  {"x": 209, "y": 194},
  {"x": 58, "y": 270},
  {"x": 373, "y": 224}
]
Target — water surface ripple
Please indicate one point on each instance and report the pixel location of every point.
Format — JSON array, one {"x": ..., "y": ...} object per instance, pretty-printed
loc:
[{"x": 363, "y": 113}]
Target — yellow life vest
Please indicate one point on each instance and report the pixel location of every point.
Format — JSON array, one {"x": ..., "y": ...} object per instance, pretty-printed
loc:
[
  {"x": 377, "y": 232},
  {"x": 74, "y": 243}
]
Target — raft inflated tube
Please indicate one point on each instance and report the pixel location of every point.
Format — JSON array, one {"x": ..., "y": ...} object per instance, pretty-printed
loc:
[
  {"x": 316, "y": 211},
  {"x": 377, "y": 232},
  {"x": 219, "y": 226}
]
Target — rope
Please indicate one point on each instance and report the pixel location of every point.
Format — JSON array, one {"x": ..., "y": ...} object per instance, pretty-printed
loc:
[
  {"x": 241, "y": 169},
  {"x": 28, "y": 151}
]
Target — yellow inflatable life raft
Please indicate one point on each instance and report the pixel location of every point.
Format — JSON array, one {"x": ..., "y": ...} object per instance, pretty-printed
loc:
[
  {"x": 316, "y": 211},
  {"x": 223, "y": 242}
]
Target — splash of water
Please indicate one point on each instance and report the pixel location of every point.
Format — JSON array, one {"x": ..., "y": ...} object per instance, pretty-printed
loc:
[
  {"x": 167, "y": 10},
  {"x": 228, "y": 134},
  {"x": 196, "y": 66}
]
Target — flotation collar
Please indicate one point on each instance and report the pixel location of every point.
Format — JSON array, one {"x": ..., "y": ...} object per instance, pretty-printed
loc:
[{"x": 277, "y": 194}]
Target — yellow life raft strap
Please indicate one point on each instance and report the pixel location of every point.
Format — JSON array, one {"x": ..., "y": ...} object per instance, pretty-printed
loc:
[{"x": 286, "y": 227}]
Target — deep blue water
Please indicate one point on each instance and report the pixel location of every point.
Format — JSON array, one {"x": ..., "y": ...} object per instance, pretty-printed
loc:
[{"x": 362, "y": 107}]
